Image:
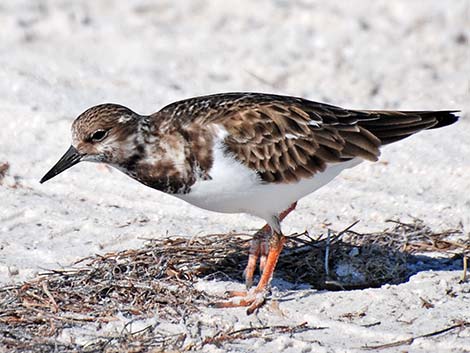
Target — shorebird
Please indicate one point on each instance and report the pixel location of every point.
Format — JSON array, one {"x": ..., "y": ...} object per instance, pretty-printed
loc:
[{"x": 249, "y": 153}]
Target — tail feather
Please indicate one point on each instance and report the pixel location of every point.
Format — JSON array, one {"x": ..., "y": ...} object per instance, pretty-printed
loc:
[{"x": 391, "y": 126}]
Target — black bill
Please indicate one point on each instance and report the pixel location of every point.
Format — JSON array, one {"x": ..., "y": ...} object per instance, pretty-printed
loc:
[{"x": 69, "y": 159}]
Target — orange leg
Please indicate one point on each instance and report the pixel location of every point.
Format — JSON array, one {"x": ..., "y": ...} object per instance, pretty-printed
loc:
[
  {"x": 255, "y": 298},
  {"x": 266, "y": 247},
  {"x": 259, "y": 248},
  {"x": 264, "y": 251}
]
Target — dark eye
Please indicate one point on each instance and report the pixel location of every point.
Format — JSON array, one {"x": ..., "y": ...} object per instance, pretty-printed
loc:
[{"x": 98, "y": 135}]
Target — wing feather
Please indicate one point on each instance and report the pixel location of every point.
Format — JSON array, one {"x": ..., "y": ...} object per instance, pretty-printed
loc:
[
  {"x": 287, "y": 145},
  {"x": 285, "y": 139}
]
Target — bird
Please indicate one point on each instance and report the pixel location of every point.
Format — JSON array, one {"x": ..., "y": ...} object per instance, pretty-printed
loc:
[{"x": 241, "y": 152}]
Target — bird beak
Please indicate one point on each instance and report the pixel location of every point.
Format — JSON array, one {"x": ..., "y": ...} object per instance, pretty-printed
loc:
[{"x": 69, "y": 159}]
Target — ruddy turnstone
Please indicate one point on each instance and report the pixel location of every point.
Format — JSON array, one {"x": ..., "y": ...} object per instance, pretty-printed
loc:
[{"x": 241, "y": 153}]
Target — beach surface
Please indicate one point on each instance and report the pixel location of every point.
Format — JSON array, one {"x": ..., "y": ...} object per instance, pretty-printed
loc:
[{"x": 60, "y": 57}]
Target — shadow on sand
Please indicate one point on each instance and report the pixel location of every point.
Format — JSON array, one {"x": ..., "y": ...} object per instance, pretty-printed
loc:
[{"x": 348, "y": 260}]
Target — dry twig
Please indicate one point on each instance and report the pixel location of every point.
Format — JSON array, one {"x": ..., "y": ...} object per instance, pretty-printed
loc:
[{"x": 410, "y": 340}]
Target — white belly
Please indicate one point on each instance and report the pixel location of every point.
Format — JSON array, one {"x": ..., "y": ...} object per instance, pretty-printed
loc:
[{"x": 234, "y": 188}]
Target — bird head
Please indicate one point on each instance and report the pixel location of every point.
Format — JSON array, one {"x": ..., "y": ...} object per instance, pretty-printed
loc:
[{"x": 104, "y": 133}]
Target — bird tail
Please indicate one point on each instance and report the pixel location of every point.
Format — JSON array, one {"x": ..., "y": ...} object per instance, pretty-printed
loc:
[{"x": 391, "y": 126}]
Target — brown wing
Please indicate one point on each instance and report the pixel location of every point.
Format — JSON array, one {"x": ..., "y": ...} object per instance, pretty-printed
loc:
[
  {"x": 286, "y": 138},
  {"x": 285, "y": 143}
]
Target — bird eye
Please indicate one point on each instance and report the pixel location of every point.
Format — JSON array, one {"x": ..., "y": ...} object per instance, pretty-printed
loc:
[{"x": 98, "y": 135}]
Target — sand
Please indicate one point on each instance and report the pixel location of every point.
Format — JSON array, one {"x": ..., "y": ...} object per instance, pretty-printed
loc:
[{"x": 60, "y": 57}]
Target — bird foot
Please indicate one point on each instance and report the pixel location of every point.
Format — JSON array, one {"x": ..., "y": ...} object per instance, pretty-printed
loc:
[
  {"x": 266, "y": 247},
  {"x": 253, "y": 300}
]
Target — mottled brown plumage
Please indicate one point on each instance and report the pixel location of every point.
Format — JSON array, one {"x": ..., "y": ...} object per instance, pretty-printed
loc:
[
  {"x": 286, "y": 139},
  {"x": 241, "y": 152}
]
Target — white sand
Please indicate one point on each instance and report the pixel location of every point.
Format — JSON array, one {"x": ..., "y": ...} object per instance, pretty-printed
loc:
[{"x": 60, "y": 57}]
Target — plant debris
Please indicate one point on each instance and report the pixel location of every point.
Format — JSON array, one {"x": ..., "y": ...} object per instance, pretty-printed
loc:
[
  {"x": 459, "y": 325},
  {"x": 159, "y": 279}
]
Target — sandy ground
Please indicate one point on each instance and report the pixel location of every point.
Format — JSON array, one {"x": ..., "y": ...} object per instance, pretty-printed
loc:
[{"x": 58, "y": 58}]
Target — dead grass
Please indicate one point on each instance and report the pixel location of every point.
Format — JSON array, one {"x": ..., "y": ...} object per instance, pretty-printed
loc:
[{"x": 159, "y": 279}]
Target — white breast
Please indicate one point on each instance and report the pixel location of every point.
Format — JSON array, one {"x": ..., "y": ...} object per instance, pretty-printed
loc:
[{"x": 234, "y": 188}]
